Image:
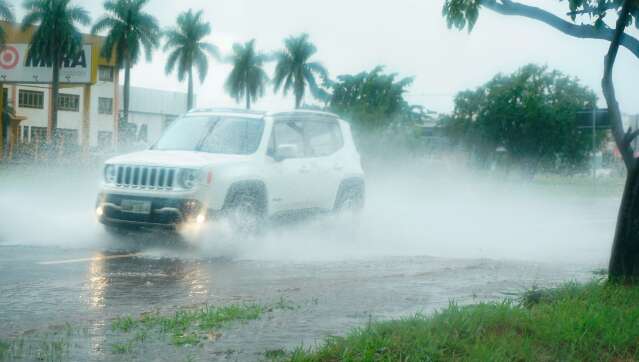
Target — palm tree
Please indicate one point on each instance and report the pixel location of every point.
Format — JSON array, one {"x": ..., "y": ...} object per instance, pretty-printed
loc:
[
  {"x": 130, "y": 30},
  {"x": 187, "y": 49},
  {"x": 6, "y": 14},
  {"x": 294, "y": 70},
  {"x": 247, "y": 79},
  {"x": 55, "y": 39}
]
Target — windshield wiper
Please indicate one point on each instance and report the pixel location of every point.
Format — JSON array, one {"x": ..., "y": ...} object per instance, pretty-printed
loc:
[{"x": 206, "y": 136}]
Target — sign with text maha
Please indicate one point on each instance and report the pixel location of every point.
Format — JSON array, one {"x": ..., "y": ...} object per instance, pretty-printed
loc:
[{"x": 17, "y": 67}]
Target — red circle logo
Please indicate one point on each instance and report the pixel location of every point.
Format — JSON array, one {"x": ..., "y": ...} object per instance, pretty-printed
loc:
[{"x": 9, "y": 57}]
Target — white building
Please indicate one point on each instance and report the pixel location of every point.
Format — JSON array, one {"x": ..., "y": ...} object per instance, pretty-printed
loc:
[
  {"x": 89, "y": 101},
  {"x": 153, "y": 108}
]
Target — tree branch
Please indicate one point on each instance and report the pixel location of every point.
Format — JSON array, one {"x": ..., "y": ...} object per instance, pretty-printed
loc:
[
  {"x": 508, "y": 7},
  {"x": 608, "y": 88}
]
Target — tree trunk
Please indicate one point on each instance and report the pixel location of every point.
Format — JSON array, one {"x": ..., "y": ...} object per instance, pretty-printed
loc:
[
  {"x": 298, "y": 100},
  {"x": 127, "y": 88},
  {"x": 55, "y": 89},
  {"x": 624, "y": 257},
  {"x": 248, "y": 99},
  {"x": 189, "y": 94}
]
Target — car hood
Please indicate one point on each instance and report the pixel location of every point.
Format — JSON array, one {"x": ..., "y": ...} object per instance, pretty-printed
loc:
[{"x": 185, "y": 159}]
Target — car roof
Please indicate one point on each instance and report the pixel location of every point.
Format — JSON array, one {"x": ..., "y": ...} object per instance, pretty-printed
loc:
[
  {"x": 304, "y": 113},
  {"x": 227, "y": 111}
]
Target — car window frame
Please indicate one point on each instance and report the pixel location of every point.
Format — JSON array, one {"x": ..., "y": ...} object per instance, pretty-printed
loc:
[
  {"x": 273, "y": 139},
  {"x": 305, "y": 121},
  {"x": 333, "y": 122}
]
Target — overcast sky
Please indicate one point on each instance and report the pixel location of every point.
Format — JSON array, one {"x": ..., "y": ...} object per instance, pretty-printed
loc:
[{"x": 409, "y": 37}]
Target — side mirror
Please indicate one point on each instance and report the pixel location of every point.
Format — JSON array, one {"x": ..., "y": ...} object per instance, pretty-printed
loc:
[{"x": 285, "y": 151}]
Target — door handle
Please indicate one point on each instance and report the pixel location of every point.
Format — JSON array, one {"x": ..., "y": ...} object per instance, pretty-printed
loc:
[{"x": 305, "y": 169}]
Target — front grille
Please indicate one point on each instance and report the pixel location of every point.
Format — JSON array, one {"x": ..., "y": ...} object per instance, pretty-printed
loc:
[{"x": 145, "y": 177}]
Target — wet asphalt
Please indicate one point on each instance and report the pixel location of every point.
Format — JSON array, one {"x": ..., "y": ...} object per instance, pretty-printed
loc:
[{"x": 423, "y": 241}]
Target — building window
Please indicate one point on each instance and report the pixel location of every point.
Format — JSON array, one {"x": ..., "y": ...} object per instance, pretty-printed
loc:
[
  {"x": 68, "y": 102},
  {"x": 24, "y": 133},
  {"x": 38, "y": 134},
  {"x": 30, "y": 99},
  {"x": 105, "y": 105},
  {"x": 65, "y": 136},
  {"x": 105, "y": 73}
]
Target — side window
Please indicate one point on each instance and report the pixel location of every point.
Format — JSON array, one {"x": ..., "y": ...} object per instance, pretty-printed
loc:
[
  {"x": 289, "y": 133},
  {"x": 324, "y": 137}
]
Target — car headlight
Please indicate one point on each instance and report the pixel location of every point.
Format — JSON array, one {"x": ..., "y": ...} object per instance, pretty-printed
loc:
[
  {"x": 189, "y": 178},
  {"x": 110, "y": 174}
]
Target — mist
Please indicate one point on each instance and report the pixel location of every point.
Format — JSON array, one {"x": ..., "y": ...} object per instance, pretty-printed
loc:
[{"x": 413, "y": 208}]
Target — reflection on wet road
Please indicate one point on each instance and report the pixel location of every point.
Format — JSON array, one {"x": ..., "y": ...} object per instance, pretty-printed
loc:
[
  {"x": 336, "y": 295},
  {"x": 421, "y": 243}
]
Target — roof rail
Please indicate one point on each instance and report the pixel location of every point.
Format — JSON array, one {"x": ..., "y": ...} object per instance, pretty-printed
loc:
[
  {"x": 304, "y": 112},
  {"x": 225, "y": 110}
]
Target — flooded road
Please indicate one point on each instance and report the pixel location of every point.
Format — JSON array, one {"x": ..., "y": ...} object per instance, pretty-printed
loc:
[{"x": 422, "y": 241}]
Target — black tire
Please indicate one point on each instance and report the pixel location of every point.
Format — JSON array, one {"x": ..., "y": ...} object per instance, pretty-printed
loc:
[{"x": 245, "y": 212}]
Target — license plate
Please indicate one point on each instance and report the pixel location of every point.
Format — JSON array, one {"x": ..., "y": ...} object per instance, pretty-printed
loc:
[{"x": 136, "y": 206}]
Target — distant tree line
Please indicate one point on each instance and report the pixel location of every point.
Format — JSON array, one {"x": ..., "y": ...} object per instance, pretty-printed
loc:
[
  {"x": 372, "y": 100},
  {"x": 624, "y": 258},
  {"x": 530, "y": 114},
  {"x": 529, "y": 117}
]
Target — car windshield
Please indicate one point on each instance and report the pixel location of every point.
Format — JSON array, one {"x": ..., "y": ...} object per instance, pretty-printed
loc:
[{"x": 213, "y": 134}]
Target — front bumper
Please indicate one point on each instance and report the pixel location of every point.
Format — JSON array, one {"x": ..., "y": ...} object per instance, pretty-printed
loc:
[{"x": 165, "y": 213}]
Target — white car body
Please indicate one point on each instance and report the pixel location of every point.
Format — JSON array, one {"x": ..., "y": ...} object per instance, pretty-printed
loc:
[{"x": 303, "y": 180}]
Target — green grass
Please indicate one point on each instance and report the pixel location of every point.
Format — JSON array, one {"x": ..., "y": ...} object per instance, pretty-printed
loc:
[
  {"x": 121, "y": 348},
  {"x": 4, "y": 349},
  {"x": 123, "y": 324},
  {"x": 187, "y": 326},
  {"x": 590, "y": 322}
]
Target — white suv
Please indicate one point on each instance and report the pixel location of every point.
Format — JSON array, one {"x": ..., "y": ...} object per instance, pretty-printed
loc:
[{"x": 244, "y": 165}]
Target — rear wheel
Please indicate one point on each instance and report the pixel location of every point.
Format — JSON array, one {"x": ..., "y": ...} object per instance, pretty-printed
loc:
[{"x": 350, "y": 199}]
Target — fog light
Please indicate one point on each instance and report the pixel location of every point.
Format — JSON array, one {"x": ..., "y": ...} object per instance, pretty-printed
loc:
[
  {"x": 200, "y": 219},
  {"x": 99, "y": 211}
]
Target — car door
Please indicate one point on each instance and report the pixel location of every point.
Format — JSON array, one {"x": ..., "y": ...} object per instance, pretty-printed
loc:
[
  {"x": 289, "y": 177},
  {"x": 323, "y": 140}
]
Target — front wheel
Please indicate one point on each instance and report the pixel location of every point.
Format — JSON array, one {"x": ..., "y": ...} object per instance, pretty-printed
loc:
[{"x": 245, "y": 214}]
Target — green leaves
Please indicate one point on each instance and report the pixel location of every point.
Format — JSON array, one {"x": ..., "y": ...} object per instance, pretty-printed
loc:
[
  {"x": 6, "y": 14},
  {"x": 530, "y": 114},
  {"x": 57, "y": 35},
  {"x": 187, "y": 49},
  {"x": 186, "y": 46},
  {"x": 461, "y": 13},
  {"x": 370, "y": 92},
  {"x": 247, "y": 78},
  {"x": 294, "y": 70},
  {"x": 130, "y": 30}
]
